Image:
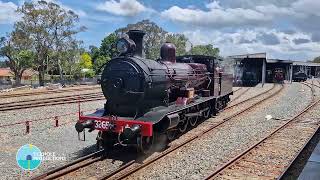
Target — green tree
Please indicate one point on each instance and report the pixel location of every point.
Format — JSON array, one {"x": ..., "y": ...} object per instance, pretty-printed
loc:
[
  {"x": 3, "y": 64},
  {"x": 94, "y": 52},
  {"x": 180, "y": 41},
  {"x": 85, "y": 61},
  {"x": 108, "y": 48},
  {"x": 99, "y": 62},
  {"x": 207, "y": 50},
  {"x": 71, "y": 55},
  {"x": 154, "y": 38},
  {"x": 316, "y": 60},
  {"x": 16, "y": 49},
  {"x": 49, "y": 27}
]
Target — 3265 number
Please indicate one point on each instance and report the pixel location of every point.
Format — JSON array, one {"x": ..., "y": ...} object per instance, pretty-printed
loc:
[{"x": 102, "y": 125}]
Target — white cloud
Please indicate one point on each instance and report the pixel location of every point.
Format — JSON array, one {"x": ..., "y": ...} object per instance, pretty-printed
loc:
[
  {"x": 307, "y": 7},
  {"x": 122, "y": 7},
  {"x": 287, "y": 29},
  {"x": 258, "y": 15},
  {"x": 274, "y": 11},
  {"x": 79, "y": 12},
  {"x": 216, "y": 16},
  {"x": 8, "y": 13},
  {"x": 249, "y": 41}
]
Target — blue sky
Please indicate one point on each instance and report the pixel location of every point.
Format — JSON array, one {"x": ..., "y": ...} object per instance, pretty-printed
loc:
[{"x": 286, "y": 29}]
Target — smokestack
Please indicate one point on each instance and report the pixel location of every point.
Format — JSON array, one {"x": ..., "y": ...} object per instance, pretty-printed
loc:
[{"x": 137, "y": 37}]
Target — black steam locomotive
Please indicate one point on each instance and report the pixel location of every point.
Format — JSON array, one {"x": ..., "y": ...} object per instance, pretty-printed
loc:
[
  {"x": 299, "y": 76},
  {"x": 149, "y": 98}
]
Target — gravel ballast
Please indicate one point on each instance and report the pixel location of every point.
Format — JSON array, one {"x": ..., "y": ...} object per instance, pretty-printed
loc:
[
  {"x": 199, "y": 158},
  {"x": 62, "y": 140},
  {"x": 194, "y": 161}
]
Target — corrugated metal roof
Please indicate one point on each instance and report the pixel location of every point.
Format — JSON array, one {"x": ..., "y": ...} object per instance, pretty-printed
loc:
[
  {"x": 253, "y": 56},
  {"x": 278, "y": 61},
  {"x": 306, "y": 64}
]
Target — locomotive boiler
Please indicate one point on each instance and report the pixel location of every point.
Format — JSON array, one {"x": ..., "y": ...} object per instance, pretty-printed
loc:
[{"x": 149, "y": 98}]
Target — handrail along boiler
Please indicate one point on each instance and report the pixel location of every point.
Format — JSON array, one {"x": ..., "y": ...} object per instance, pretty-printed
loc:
[{"x": 147, "y": 97}]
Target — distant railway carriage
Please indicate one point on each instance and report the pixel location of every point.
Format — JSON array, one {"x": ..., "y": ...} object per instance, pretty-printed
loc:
[{"x": 151, "y": 98}]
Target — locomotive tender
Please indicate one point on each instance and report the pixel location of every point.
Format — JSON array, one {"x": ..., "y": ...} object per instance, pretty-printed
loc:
[{"x": 152, "y": 98}]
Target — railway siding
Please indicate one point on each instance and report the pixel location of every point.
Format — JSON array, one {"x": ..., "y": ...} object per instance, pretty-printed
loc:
[
  {"x": 215, "y": 148},
  {"x": 274, "y": 155},
  {"x": 89, "y": 171},
  {"x": 198, "y": 158}
]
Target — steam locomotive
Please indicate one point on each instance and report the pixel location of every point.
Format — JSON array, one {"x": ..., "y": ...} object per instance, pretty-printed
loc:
[
  {"x": 275, "y": 75},
  {"x": 147, "y": 99}
]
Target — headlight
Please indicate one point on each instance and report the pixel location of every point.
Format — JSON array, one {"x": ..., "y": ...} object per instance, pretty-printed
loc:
[
  {"x": 122, "y": 46},
  {"x": 125, "y": 45}
]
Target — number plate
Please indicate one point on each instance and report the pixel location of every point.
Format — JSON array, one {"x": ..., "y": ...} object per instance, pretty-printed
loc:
[{"x": 105, "y": 125}]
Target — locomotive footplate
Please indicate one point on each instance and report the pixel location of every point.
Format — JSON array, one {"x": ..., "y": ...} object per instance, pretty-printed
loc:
[
  {"x": 97, "y": 121},
  {"x": 116, "y": 124}
]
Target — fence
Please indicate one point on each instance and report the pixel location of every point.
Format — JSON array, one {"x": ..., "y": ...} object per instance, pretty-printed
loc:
[{"x": 55, "y": 119}]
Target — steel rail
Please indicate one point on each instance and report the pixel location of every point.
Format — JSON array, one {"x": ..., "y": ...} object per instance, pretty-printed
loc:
[
  {"x": 242, "y": 154},
  {"x": 248, "y": 99},
  {"x": 238, "y": 89},
  {"x": 246, "y": 90},
  {"x": 172, "y": 149},
  {"x": 296, "y": 156},
  {"x": 46, "y": 92},
  {"x": 46, "y": 99},
  {"x": 311, "y": 86},
  {"x": 75, "y": 99},
  {"x": 318, "y": 86},
  {"x": 60, "y": 171}
]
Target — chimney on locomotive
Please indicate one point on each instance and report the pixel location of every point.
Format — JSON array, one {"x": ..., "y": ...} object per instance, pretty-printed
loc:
[
  {"x": 168, "y": 52},
  {"x": 137, "y": 37}
]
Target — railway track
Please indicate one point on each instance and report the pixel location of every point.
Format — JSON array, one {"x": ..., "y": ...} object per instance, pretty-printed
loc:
[
  {"x": 134, "y": 165},
  {"x": 313, "y": 84},
  {"x": 240, "y": 95},
  {"x": 268, "y": 158},
  {"x": 47, "y": 92},
  {"x": 248, "y": 99},
  {"x": 237, "y": 89},
  {"x": 138, "y": 167},
  {"x": 51, "y": 101},
  {"x": 77, "y": 164}
]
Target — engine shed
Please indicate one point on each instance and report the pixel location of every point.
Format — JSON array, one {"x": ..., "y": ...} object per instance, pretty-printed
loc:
[
  {"x": 311, "y": 69},
  {"x": 285, "y": 65},
  {"x": 251, "y": 69}
]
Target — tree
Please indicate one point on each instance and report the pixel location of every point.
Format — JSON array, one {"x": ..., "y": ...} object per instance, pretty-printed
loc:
[
  {"x": 85, "y": 61},
  {"x": 154, "y": 38},
  {"x": 316, "y": 60},
  {"x": 108, "y": 48},
  {"x": 207, "y": 50},
  {"x": 49, "y": 27},
  {"x": 94, "y": 52},
  {"x": 16, "y": 49},
  {"x": 99, "y": 62},
  {"x": 3, "y": 64},
  {"x": 179, "y": 40}
]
